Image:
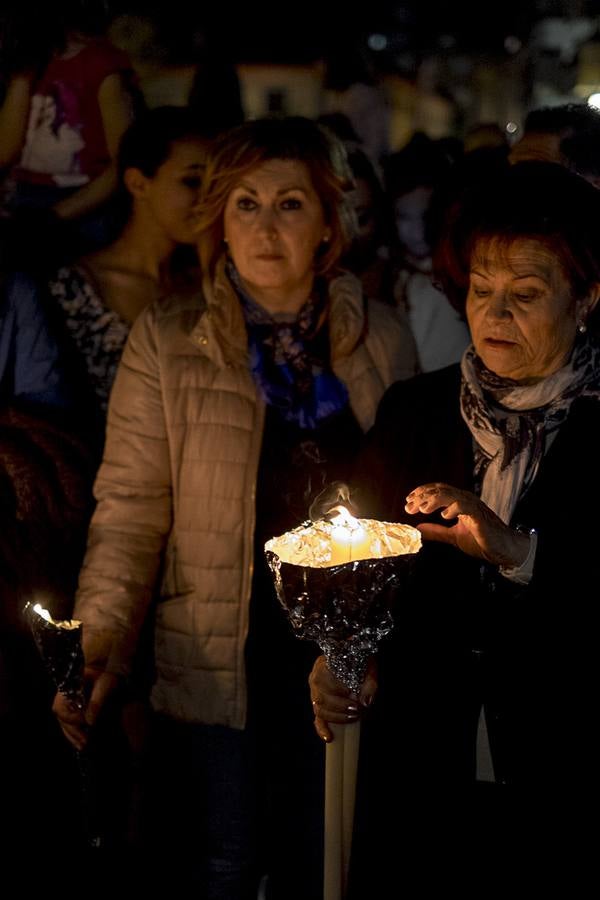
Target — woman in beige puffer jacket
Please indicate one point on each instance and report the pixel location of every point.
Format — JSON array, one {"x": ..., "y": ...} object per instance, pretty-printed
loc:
[{"x": 231, "y": 409}]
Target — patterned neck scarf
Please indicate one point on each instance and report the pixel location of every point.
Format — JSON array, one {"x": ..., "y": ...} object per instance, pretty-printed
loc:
[
  {"x": 512, "y": 425},
  {"x": 289, "y": 359}
]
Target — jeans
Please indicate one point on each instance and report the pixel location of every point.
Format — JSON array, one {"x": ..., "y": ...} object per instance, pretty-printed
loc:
[{"x": 199, "y": 811}]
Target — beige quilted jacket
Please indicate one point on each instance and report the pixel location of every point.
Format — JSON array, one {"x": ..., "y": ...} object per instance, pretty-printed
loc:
[{"x": 176, "y": 489}]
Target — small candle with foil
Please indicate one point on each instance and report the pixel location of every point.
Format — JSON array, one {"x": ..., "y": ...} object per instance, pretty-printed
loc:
[
  {"x": 343, "y": 539},
  {"x": 59, "y": 644}
]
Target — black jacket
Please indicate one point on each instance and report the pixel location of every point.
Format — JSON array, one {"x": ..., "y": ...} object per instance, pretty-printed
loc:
[{"x": 463, "y": 633}]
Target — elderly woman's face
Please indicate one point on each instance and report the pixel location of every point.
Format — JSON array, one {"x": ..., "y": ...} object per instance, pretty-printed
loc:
[
  {"x": 520, "y": 309},
  {"x": 273, "y": 224}
]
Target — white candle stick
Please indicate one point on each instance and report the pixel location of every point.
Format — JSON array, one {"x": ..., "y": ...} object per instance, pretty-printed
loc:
[{"x": 342, "y": 604}]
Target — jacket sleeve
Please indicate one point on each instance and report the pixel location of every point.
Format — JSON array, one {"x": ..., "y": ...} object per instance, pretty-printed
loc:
[
  {"x": 38, "y": 375},
  {"x": 133, "y": 515}
]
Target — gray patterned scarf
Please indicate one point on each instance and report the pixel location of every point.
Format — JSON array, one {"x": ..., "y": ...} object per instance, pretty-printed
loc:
[{"x": 513, "y": 425}]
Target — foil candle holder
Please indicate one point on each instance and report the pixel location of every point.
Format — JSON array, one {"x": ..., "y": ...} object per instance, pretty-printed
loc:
[
  {"x": 59, "y": 645},
  {"x": 336, "y": 579}
]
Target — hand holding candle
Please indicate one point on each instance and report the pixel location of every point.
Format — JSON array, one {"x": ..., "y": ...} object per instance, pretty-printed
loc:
[
  {"x": 335, "y": 578},
  {"x": 59, "y": 645},
  {"x": 333, "y": 702}
]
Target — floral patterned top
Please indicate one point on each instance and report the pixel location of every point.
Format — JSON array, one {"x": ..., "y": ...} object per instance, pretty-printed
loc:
[{"x": 98, "y": 332}]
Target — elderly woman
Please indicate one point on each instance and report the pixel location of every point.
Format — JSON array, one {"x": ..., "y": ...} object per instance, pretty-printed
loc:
[
  {"x": 231, "y": 409},
  {"x": 497, "y": 458}
]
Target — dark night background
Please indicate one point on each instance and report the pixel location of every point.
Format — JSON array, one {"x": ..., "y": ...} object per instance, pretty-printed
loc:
[{"x": 284, "y": 32}]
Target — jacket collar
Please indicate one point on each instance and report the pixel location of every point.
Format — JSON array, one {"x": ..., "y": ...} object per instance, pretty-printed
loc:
[{"x": 221, "y": 330}]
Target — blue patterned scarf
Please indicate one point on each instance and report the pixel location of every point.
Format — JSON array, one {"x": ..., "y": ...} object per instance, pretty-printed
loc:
[{"x": 289, "y": 359}]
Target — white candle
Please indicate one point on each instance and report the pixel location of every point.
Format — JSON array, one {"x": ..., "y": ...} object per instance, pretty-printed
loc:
[
  {"x": 349, "y": 540},
  {"x": 343, "y": 539}
]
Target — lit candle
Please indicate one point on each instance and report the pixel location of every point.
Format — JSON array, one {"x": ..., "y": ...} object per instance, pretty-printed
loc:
[
  {"x": 344, "y": 539},
  {"x": 349, "y": 540},
  {"x": 39, "y": 609},
  {"x": 345, "y": 609},
  {"x": 65, "y": 624}
]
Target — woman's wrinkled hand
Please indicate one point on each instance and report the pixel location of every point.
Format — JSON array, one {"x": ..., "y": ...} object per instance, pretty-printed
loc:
[
  {"x": 478, "y": 532},
  {"x": 76, "y": 723},
  {"x": 332, "y": 701}
]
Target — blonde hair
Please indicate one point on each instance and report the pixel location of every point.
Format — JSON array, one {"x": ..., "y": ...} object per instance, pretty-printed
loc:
[{"x": 240, "y": 150}]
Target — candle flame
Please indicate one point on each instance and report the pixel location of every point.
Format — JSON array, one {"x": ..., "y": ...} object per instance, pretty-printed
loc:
[
  {"x": 344, "y": 518},
  {"x": 349, "y": 540},
  {"x": 39, "y": 609},
  {"x": 66, "y": 624}
]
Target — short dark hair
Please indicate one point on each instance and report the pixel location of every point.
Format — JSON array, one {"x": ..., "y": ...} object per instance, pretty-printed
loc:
[
  {"x": 531, "y": 200},
  {"x": 578, "y": 127},
  {"x": 238, "y": 151},
  {"x": 567, "y": 117},
  {"x": 147, "y": 144}
]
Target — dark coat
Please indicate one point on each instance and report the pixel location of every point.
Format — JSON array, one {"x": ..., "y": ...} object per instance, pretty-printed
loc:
[
  {"x": 31, "y": 370},
  {"x": 465, "y": 635}
]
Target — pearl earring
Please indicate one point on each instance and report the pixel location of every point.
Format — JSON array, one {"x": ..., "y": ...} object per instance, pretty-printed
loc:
[{"x": 582, "y": 327}]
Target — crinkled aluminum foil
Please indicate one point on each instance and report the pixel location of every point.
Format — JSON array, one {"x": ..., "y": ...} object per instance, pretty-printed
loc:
[
  {"x": 345, "y": 608},
  {"x": 59, "y": 645}
]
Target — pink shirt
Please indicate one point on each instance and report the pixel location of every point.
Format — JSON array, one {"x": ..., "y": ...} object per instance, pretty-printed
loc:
[{"x": 65, "y": 144}]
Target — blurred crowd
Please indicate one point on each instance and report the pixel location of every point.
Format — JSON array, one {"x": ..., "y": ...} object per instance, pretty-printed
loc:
[{"x": 101, "y": 207}]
